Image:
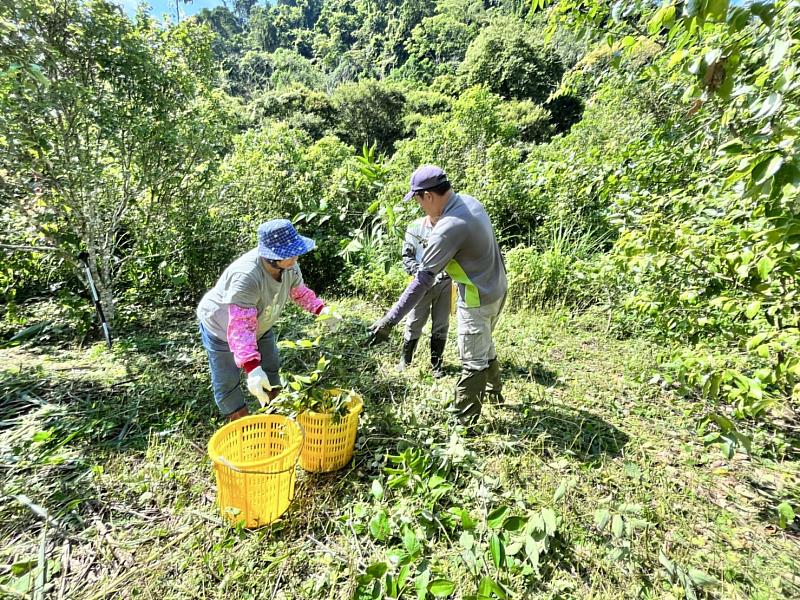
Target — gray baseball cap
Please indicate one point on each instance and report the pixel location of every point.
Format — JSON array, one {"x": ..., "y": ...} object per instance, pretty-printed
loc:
[{"x": 425, "y": 178}]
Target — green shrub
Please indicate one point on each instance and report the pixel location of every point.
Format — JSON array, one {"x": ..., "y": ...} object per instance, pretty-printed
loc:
[
  {"x": 537, "y": 279},
  {"x": 369, "y": 112},
  {"x": 561, "y": 271},
  {"x": 277, "y": 172},
  {"x": 304, "y": 108},
  {"x": 509, "y": 58},
  {"x": 532, "y": 121},
  {"x": 373, "y": 283}
]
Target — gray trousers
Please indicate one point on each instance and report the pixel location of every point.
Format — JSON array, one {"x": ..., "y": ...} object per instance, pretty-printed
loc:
[
  {"x": 475, "y": 328},
  {"x": 436, "y": 303}
]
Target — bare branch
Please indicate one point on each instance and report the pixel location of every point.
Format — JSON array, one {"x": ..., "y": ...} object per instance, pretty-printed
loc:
[{"x": 32, "y": 248}]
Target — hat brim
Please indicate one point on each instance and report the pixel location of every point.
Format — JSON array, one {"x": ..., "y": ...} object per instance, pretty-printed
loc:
[
  {"x": 298, "y": 247},
  {"x": 409, "y": 196}
]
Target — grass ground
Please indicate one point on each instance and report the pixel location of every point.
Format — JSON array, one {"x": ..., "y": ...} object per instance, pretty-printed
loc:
[{"x": 588, "y": 482}]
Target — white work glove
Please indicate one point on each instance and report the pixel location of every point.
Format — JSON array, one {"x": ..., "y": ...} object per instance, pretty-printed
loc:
[
  {"x": 331, "y": 319},
  {"x": 258, "y": 384}
]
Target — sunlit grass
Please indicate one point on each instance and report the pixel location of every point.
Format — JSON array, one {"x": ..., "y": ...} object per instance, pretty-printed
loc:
[{"x": 112, "y": 447}]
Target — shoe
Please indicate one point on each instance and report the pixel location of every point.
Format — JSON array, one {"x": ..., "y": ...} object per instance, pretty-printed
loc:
[
  {"x": 469, "y": 396},
  {"x": 494, "y": 386},
  {"x": 409, "y": 346},
  {"x": 437, "y": 357},
  {"x": 238, "y": 414}
]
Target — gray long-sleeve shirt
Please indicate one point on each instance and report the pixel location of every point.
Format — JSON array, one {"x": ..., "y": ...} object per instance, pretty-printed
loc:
[
  {"x": 463, "y": 244},
  {"x": 414, "y": 245}
]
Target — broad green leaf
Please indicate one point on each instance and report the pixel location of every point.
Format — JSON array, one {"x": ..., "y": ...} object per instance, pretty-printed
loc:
[
  {"x": 770, "y": 106},
  {"x": 617, "y": 526},
  {"x": 772, "y": 167},
  {"x": 377, "y": 570},
  {"x": 631, "y": 508},
  {"x": 466, "y": 540},
  {"x": 390, "y": 585},
  {"x": 549, "y": 518},
  {"x": 601, "y": 518},
  {"x": 513, "y": 548},
  {"x": 765, "y": 266},
  {"x": 489, "y": 586},
  {"x": 402, "y": 576},
  {"x": 377, "y": 490},
  {"x": 734, "y": 146},
  {"x": 618, "y": 553},
  {"x": 410, "y": 541},
  {"x": 467, "y": 522},
  {"x": 497, "y": 550},
  {"x": 778, "y": 52},
  {"x": 485, "y": 588},
  {"x": 514, "y": 523},
  {"x": 379, "y": 525},
  {"x": 421, "y": 584},
  {"x": 752, "y": 309},
  {"x": 757, "y": 339},
  {"x": 496, "y": 517},
  {"x": 701, "y": 579},
  {"x": 532, "y": 550},
  {"x": 469, "y": 558},
  {"x": 677, "y": 58},
  {"x": 441, "y": 588},
  {"x": 785, "y": 514}
]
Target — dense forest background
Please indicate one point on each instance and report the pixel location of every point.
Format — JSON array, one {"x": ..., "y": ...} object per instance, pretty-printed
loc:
[{"x": 638, "y": 160}]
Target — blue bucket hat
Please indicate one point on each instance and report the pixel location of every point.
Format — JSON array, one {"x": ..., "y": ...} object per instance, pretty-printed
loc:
[
  {"x": 425, "y": 178},
  {"x": 278, "y": 239}
]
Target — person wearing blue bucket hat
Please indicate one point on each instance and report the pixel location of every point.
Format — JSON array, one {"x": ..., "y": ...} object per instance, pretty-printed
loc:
[{"x": 236, "y": 316}]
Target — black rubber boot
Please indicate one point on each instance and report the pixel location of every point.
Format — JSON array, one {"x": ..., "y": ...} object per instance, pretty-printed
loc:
[
  {"x": 494, "y": 386},
  {"x": 408, "y": 354},
  {"x": 437, "y": 356},
  {"x": 469, "y": 396}
]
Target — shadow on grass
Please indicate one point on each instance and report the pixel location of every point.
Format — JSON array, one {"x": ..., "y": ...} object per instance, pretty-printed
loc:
[
  {"x": 61, "y": 421},
  {"x": 560, "y": 430},
  {"x": 533, "y": 372}
]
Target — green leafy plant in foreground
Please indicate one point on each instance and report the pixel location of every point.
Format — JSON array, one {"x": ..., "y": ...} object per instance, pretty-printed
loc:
[{"x": 315, "y": 391}]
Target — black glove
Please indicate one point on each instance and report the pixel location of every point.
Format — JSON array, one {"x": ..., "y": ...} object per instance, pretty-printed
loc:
[{"x": 379, "y": 332}]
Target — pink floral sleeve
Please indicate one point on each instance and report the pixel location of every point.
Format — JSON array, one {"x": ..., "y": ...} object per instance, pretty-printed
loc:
[
  {"x": 307, "y": 299},
  {"x": 242, "y": 329}
]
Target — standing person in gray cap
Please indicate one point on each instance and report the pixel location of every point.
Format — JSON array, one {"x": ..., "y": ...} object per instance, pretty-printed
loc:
[
  {"x": 236, "y": 316},
  {"x": 436, "y": 302},
  {"x": 463, "y": 244}
]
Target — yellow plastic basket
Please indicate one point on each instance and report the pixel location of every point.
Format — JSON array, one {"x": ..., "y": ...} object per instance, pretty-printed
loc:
[
  {"x": 254, "y": 463},
  {"x": 329, "y": 446}
]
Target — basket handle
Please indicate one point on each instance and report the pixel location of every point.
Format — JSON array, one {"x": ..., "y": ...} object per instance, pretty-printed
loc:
[
  {"x": 286, "y": 470},
  {"x": 247, "y": 471}
]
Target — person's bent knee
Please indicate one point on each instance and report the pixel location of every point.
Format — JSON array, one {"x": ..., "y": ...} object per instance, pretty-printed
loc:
[{"x": 474, "y": 364}]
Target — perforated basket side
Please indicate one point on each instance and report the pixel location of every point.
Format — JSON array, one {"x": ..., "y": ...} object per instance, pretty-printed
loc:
[
  {"x": 254, "y": 463},
  {"x": 328, "y": 445}
]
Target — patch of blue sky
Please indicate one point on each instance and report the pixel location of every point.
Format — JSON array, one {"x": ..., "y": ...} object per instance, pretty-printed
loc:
[{"x": 160, "y": 8}]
